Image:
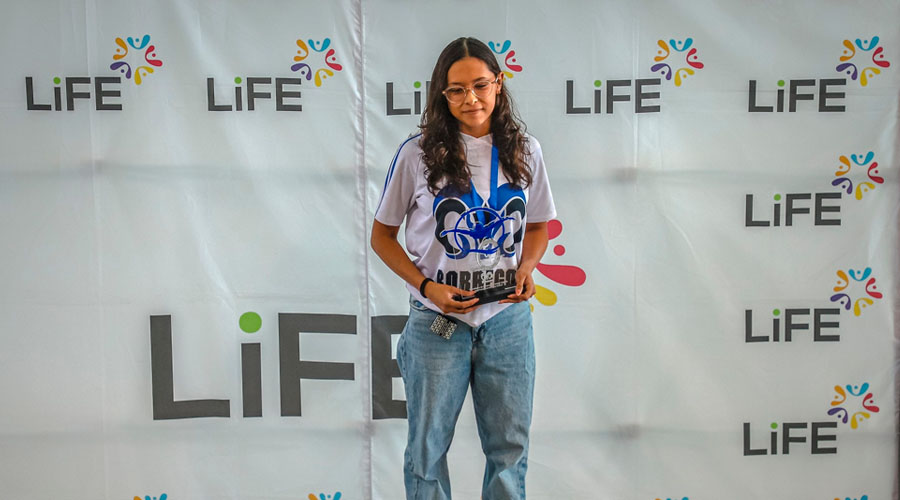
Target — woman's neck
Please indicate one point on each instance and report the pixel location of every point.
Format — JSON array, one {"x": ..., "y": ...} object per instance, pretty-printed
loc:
[{"x": 479, "y": 132}]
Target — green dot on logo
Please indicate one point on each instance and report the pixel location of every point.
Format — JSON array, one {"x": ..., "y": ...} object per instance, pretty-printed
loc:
[
  {"x": 237, "y": 79},
  {"x": 777, "y": 197},
  {"x": 776, "y": 312},
  {"x": 250, "y": 322},
  {"x": 417, "y": 84},
  {"x": 781, "y": 83},
  {"x": 597, "y": 83},
  {"x": 774, "y": 425},
  {"x": 56, "y": 80}
]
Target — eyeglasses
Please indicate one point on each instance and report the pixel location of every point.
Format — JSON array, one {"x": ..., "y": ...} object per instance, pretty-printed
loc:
[{"x": 481, "y": 89}]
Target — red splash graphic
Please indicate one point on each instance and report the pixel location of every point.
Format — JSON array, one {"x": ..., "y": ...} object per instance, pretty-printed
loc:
[{"x": 562, "y": 274}]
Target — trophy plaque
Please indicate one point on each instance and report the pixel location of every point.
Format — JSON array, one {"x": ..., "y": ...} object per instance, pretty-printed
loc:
[
  {"x": 480, "y": 237},
  {"x": 489, "y": 269}
]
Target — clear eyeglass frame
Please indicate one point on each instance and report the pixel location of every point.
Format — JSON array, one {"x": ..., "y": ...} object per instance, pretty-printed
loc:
[{"x": 482, "y": 89}]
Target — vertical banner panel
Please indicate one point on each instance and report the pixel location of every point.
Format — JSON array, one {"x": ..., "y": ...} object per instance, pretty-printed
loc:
[
  {"x": 535, "y": 46},
  {"x": 51, "y": 377},
  {"x": 227, "y": 223},
  {"x": 747, "y": 230},
  {"x": 200, "y": 193}
]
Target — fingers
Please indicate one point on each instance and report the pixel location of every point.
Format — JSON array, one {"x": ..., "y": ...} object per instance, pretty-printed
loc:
[
  {"x": 528, "y": 288},
  {"x": 469, "y": 309},
  {"x": 460, "y": 307},
  {"x": 514, "y": 298},
  {"x": 464, "y": 307},
  {"x": 524, "y": 289},
  {"x": 451, "y": 305},
  {"x": 520, "y": 282}
]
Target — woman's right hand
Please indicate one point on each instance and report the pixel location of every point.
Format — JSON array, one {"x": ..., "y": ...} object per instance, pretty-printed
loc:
[
  {"x": 442, "y": 296},
  {"x": 385, "y": 245}
]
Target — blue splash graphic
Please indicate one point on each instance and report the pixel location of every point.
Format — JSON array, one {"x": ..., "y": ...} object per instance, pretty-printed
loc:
[
  {"x": 320, "y": 46},
  {"x": 502, "y": 49},
  {"x": 685, "y": 45},
  {"x": 144, "y": 41},
  {"x": 872, "y": 44}
]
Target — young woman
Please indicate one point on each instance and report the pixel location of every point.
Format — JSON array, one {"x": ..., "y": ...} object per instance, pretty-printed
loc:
[{"x": 473, "y": 191}]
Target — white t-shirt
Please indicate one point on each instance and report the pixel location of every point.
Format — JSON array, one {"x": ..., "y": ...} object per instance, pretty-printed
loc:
[{"x": 472, "y": 236}]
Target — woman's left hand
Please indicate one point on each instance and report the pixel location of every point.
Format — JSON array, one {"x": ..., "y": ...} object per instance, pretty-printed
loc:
[
  {"x": 524, "y": 288},
  {"x": 533, "y": 246}
]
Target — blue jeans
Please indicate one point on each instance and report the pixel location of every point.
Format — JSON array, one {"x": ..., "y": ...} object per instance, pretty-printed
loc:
[{"x": 497, "y": 360}]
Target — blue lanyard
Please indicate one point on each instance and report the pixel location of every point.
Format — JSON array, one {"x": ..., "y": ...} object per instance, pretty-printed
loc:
[{"x": 494, "y": 200}]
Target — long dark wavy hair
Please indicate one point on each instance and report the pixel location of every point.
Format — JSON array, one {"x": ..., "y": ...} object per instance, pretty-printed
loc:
[{"x": 442, "y": 146}]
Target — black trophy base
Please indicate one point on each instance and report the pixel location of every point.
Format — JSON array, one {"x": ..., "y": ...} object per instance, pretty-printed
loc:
[{"x": 489, "y": 295}]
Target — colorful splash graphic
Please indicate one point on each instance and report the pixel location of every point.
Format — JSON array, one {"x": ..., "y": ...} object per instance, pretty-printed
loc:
[
  {"x": 674, "y": 498},
  {"x": 301, "y": 60},
  {"x": 676, "y": 49},
  {"x": 843, "y": 174},
  {"x": 852, "y": 276},
  {"x": 131, "y": 50},
  {"x": 864, "y": 497},
  {"x": 322, "y": 496},
  {"x": 854, "y": 397},
  {"x": 148, "y": 497},
  {"x": 509, "y": 60},
  {"x": 564, "y": 275},
  {"x": 869, "y": 52}
]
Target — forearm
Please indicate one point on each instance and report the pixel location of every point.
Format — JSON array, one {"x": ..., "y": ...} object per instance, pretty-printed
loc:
[{"x": 534, "y": 244}]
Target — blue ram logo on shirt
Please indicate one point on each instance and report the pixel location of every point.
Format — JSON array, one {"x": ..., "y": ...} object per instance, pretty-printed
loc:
[{"x": 476, "y": 222}]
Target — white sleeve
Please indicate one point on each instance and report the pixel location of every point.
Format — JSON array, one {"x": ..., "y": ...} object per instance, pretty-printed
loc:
[
  {"x": 540, "y": 206},
  {"x": 399, "y": 185}
]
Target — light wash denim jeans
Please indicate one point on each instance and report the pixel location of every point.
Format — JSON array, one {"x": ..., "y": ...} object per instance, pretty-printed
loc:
[{"x": 497, "y": 360}]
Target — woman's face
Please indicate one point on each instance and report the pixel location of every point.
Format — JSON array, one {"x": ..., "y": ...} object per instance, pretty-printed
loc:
[{"x": 473, "y": 113}]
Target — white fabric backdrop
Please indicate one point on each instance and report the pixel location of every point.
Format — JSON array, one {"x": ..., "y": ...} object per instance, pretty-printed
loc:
[{"x": 647, "y": 387}]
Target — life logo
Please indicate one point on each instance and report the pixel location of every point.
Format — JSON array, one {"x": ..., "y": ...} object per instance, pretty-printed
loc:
[
  {"x": 826, "y": 93},
  {"x": 853, "y": 404},
  {"x": 302, "y": 60},
  {"x": 847, "y": 170},
  {"x": 855, "y": 290},
  {"x": 850, "y": 405},
  {"x": 674, "y": 60},
  {"x": 676, "y": 49},
  {"x": 313, "y": 61},
  {"x": 134, "y": 58},
  {"x": 851, "y": 281},
  {"x": 397, "y": 98},
  {"x": 850, "y": 64},
  {"x": 294, "y": 367},
  {"x": 856, "y": 175},
  {"x": 822, "y": 436}
]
